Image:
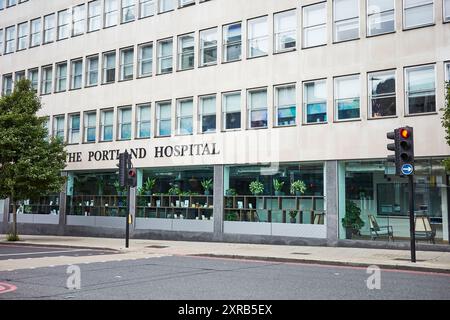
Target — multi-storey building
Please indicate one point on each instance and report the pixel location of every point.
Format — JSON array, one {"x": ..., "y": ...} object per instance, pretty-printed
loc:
[{"x": 282, "y": 105}]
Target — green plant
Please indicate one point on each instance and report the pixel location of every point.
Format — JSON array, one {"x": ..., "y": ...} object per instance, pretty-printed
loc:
[
  {"x": 174, "y": 191},
  {"x": 352, "y": 219},
  {"x": 149, "y": 185},
  {"x": 278, "y": 185},
  {"x": 293, "y": 214},
  {"x": 12, "y": 237},
  {"x": 231, "y": 192},
  {"x": 256, "y": 187},
  {"x": 232, "y": 216},
  {"x": 140, "y": 191},
  {"x": 120, "y": 191},
  {"x": 207, "y": 184},
  {"x": 298, "y": 186}
]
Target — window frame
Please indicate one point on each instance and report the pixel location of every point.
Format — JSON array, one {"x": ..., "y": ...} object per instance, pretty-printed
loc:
[
  {"x": 103, "y": 125},
  {"x": 158, "y": 118},
  {"x": 181, "y": 54},
  {"x": 406, "y": 92},
  {"x": 105, "y": 69},
  {"x": 225, "y": 43},
  {"x": 87, "y": 83},
  {"x": 123, "y": 65},
  {"x": 201, "y": 114},
  {"x": 121, "y": 123},
  {"x": 405, "y": 28},
  {"x": 224, "y": 112},
  {"x": 335, "y": 105},
  {"x": 140, "y": 60},
  {"x": 275, "y": 33},
  {"x": 335, "y": 21},
  {"x": 140, "y": 122},
  {"x": 58, "y": 79},
  {"x": 394, "y": 9},
  {"x": 202, "y": 48},
  {"x": 161, "y": 57},
  {"x": 370, "y": 96},
  {"x": 276, "y": 107},
  {"x": 305, "y": 101},
  {"x": 71, "y": 130},
  {"x": 250, "y": 109},
  {"x": 265, "y": 38},
  {"x": 179, "y": 117},
  {"x": 87, "y": 127},
  {"x": 314, "y": 26}
]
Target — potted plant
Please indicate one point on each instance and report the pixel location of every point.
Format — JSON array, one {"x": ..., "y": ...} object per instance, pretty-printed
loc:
[
  {"x": 148, "y": 186},
  {"x": 256, "y": 187},
  {"x": 278, "y": 186},
  {"x": 298, "y": 187},
  {"x": 352, "y": 221},
  {"x": 293, "y": 214},
  {"x": 207, "y": 186},
  {"x": 231, "y": 192},
  {"x": 174, "y": 191},
  {"x": 120, "y": 191}
]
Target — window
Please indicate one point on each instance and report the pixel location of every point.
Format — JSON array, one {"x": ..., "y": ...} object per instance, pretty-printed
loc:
[
  {"x": 186, "y": 52},
  {"x": 146, "y": 8},
  {"x": 1, "y": 41},
  {"x": 124, "y": 123},
  {"x": 145, "y": 60},
  {"x": 231, "y": 104},
  {"x": 446, "y": 10},
  {"x": 76, "y": 73},
  {"x": 418, "y": 13},
  {"x": 74, "y": 128},
  {"x": 257, "y": 108},
  {"x": 61, "y": 77},
  {"x": 90, "y": 126},
  {"x": 2, "y": 4},
  {"x": 126, "y": 64},
  {"x": 92, "y": 71},
  {"x": 163, "y": 118},
  {"x": 315, "y": 25},
  {"x": 49, "y": 28},
  {"x": 447, "y": 71},
  {"x": 183, "y": 3},
  {"x": 347, "y": 93},
  {"x": 78, "y": 23},
  {"x": 33, "y": 76},
  {"x": 46, "y": 84},
  {"x": 35, "y": 37},
  {"x": 208, "y": 47},
  {"x": 143, "y": 124},
  {"x": 22, "y": 37},
  {"x": 382, "y": 94},
  {"x": 128, "y": 11},
  {"x": 166, "y": 5},
  {"x": 285, "y": 25},
  {"x": 10, "y": 41},
  {"x": 109, "y": 67},
  {"x": 58, "y": 127},
  {"x": 165, "y": 58},
  {"x": 232, "y": 42},
  {"x": 346, "y": 20},
  {"x": 110, "y": 11},
  {"x": 258, "y": 44},
  {"x": 19, "y": 75},
  {"x": 315, "y": 101},
  {"x": 285, "y": 105},
  {"x": 94, "y": 15},
  {"x": 107, "y": 123},
  {"x": 420, "y": 89},
  {"x": 63, "y": 24},
  {"x": 7, "y": 84},
  {"x": 184, "y": 117},
  {"x": 380, "y": 17},
  {"x": 10, "y": 3},
  {"x": 207, "y": 114}
]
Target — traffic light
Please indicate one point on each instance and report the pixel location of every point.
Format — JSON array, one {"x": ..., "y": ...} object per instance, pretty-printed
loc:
[
  {"x": 132, "y": 177},
  {"x": 403, "y": 147},
  {"x": 123, "y": 168}
]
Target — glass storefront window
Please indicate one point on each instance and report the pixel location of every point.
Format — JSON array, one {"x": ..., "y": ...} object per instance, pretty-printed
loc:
[{"x": 382, "y": 199}]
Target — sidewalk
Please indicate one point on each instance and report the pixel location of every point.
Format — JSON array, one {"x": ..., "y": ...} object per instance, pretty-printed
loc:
[{"x": 388, "y": 259}]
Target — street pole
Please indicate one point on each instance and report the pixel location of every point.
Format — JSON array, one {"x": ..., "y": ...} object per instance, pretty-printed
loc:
[
  {"x": 411, "y": 218},
  {"x": 127, "y": 216}
]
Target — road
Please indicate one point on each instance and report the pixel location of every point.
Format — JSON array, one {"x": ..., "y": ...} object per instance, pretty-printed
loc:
[{"x": 187, "y": 277}]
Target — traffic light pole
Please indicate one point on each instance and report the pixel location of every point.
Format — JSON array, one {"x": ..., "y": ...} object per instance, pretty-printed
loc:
[
  {"x": 127, "y": 217},
  {"x": 411, "y": 218}
]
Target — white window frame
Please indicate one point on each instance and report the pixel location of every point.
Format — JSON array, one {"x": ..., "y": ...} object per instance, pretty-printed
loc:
[
  {"x": 225, "y": 111},
  {"x": 446, "y": 7},
  {"x": 104, "y": 125},
  {"x": 121, "y": 123},
  {"x": 45, "y": 82},
  {"x": 123, "y": 66},
  {"x": 278, "y": 34},
  {"x": 335, "y": 22},
  {"x": 305, "y": 27},
  {"x": 34, "y": 84},
  {"x": 370, "y": 13},
  {"x": 370, "y": 95},
  {"x": 8, "y": 84},
  {"x": 140, "y": 122},
  {"x": 188, "y": 53},
  {"x": 10, "y": 43},
  {"x": 81, "y": 20},
  {"x": 276, "y": 106},
  {"x": 87, "y": 126},
  {"x": 202, "y": 113},
  {"x": 250, "y": 108},
  {"x": 226, "y": 43},
  {"x": 159, "y": 118},
  {"x": 447, "y": 71},
  {"x": 141, "y": 60},
  {"x": 90, "y": 70},
  {"x": 112, "y": 12},
  {"x": 163, "y": 3},
  {"x": 123, "y": 8},
  {"x": 105, "y": 68},
  {"x": 59, "y": 79},
  {"x": 161, "y": 57},
  {"x": 256, "y": 39},
  {"x": 406, "y": 83},
  {"x": 1, "y": 41},
  {"x": 49, "y": 28},
  {"x": 180, "y": 117},
  {"x": 417, "y": 6},
  {"x": 151, "y": 3},
  {"x": 63, "y": 25},
  {"x": 57, "y": 120},
  {"x": 73, "y": 76},
  {"x": 335, "y": 99},
  {"x": 72, "y": 131},
  {"x": 306, "y": 101},
  {"x": 94, "y": 17},
  {"x": 22, "y": 38},
  {"x": 204, "y": 47}
]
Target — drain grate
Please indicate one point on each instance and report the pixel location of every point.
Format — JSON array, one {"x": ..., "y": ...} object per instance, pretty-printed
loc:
[{"x": 157, "y": 247}]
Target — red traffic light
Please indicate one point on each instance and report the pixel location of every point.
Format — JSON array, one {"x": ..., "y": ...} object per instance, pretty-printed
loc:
[
  {"x": 132, "y": 173},
  {"x": 404, "y": 133}
]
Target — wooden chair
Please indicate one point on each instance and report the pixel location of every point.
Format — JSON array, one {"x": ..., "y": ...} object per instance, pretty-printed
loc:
[
  {"x": 377, "y": 231},
  {"x": 423, "y": 230}
]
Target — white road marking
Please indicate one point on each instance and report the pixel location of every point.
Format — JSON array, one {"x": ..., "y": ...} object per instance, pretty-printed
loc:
[{"x": 42, "y": 252}]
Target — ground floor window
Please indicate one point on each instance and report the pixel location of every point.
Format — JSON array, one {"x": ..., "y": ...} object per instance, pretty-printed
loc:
[
  {"x": 290, "y": 192},
  {"x": 374, "y": 202}
]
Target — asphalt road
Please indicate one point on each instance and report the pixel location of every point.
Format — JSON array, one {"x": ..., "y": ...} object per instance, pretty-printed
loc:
[
  {"x": 176, "y": 277},
  {"x": 12, "y": 251}
]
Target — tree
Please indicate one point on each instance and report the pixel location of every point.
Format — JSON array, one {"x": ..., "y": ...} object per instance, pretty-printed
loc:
[
  {"x": 446, "y": 122},
  {"x": 30, "y": 163}
]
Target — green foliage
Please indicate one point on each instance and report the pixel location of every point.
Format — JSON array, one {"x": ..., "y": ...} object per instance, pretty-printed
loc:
[
  {"x": 298, "y": 186},
  {"x": 232, "y": 216},
  {"x": 446, "y": 122},
  {"x": 12, "y": 237},
  {"x": 120, "y": 190},
  {"x": 278, "y": 185},
  {"x": 231, "y": 192},
  {"x": 207, "y": 184},
  {"x": 293, "y": 214},
  {"x": 149, "y": 185},
  {"x": 256, "y": 187},
  {"x": 30, "y": 163},
  {"x": 174, "y": 191},
  {"x": 352, "y": 219}
]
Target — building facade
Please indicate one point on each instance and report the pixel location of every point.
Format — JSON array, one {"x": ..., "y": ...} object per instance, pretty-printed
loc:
[{"x": 256, "y": 120}]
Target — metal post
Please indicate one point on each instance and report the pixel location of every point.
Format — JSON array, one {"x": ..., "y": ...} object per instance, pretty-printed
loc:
[
  {"x": 127, "y": 217},
  {"x": 411, "y": 218}
]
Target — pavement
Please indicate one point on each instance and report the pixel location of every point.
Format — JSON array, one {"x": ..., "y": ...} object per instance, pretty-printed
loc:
[{"x": 114, "y": 250}]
